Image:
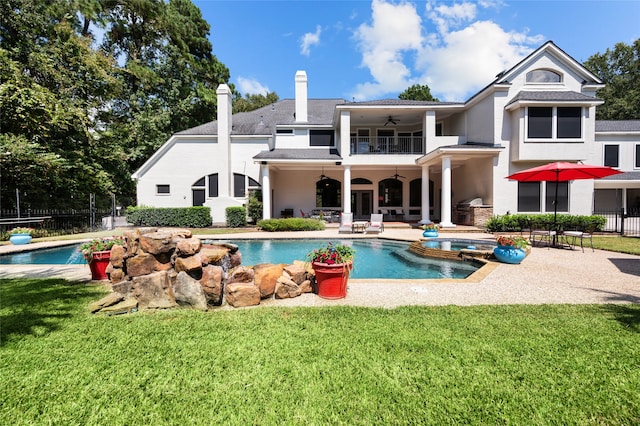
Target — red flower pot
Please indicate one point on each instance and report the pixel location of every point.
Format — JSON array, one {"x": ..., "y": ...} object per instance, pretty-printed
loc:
[
  {"x": 332, "y": 280},
  {"x": 98, "y": 265}
]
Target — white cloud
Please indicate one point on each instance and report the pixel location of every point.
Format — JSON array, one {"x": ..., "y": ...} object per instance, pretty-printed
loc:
[
  {"x": 308, "y": 40},
  {"x": 453, "y": 51},
  {"x": 395, "y": 30},
  {"x": 251, "y": 86}
]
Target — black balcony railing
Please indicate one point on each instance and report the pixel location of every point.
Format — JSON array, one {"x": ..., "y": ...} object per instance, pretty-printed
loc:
[{"x": 365, "y": 145}]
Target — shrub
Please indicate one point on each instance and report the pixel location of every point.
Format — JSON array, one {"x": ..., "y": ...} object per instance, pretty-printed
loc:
[
  {"x": 520, "y": 222},
  {"x": 291, "y": 224},
  {"x": 236, "y": 217},
  {"x": 254, "y": 206},
  {"x": 186, "y": 217}
]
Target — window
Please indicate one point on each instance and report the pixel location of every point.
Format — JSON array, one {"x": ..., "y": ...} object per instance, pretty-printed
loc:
[
  {"x": 528, "y": 196},
  {"x": 611, "y": 154},
  {"x": 360, "y": 181},
  {"x": 543, "y": 76},
  {"x": 163, "y": 189},
  {"x": 328, "y": 193},
  {"x": 284, "y": 131},
  {"x": 637, "y": 163},
  {"x": 253, "y": 183},
  {"x": 321, "y": 137},
  {"x": 213, "y": 185},
  {"x": 563, "y": 196},
  {"x": 238, "y": 185},
  {"x": 558, "y": 122},
  {"x": 569, "y": 122},
  {"x": 390, "y": 193},
  {"x": 540, "y": 122}
]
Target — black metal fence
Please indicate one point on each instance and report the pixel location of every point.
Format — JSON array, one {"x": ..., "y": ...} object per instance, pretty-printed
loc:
[
  {"x": 55, "y": 221},
  {"x": 621, "y": 221}
]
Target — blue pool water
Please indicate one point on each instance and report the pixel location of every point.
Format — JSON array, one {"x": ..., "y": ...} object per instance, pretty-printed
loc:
[{"x": 373, "y": 259}]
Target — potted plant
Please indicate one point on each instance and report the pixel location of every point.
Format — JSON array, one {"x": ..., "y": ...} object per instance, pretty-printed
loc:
[
  {"x": 97, "y": 253},
  {"x": 20, "y": 235},
  {"x": 430, "y": 230},
  {"x": 332, "y": 264},
  {"x": 511, "y": 249}
]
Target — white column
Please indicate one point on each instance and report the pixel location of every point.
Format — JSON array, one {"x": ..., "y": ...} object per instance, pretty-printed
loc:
[
  {"x": 225, "y": 174},
  {"x": 429, "y": 131},
  {"x": 426, "y": 202},
  {"x": 266, "y": 192},
  {"x": 445, "y": 213},
  {"x": 346, "y": 197}
]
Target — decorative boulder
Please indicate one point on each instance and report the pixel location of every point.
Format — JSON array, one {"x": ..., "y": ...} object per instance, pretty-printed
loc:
[
  {"x": 141, "y": 264},
  {"x": 242, "y": 294},
  {"x": 189, "y": 292},
  {"x": 286, "y": 288},
  {"x": 211, "y": 282},
  {"x": 265, "y": 276},
  {"x": 153, "y": 291}
]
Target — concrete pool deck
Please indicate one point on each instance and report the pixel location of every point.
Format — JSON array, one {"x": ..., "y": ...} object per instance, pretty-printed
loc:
[{"x": 546, "y": 276}]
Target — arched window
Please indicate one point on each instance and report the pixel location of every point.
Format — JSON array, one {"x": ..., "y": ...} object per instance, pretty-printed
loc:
[
  {"x": 543, "y": 76},
  {"x": 328, "y": 193},
  {"x": 360, "y": 181},
  {"x": 390, "y": 193}
]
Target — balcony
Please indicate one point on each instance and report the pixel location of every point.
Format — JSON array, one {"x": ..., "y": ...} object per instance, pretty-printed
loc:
[{"x": 393, "y": 145}]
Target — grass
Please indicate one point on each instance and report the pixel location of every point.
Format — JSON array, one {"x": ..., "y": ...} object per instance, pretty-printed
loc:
[
  {"x": 630, "y": 245},
  {"x": 550, "y": 364}
]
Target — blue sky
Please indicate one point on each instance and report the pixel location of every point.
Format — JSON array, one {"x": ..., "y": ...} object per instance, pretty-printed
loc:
[{"x": 366, "y": 50}]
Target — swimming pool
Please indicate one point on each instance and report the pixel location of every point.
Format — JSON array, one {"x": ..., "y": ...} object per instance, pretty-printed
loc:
[{"x": 374, "y": 258}]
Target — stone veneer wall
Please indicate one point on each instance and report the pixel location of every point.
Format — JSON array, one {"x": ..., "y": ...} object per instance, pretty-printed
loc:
[{"x": 168, "y": 268}]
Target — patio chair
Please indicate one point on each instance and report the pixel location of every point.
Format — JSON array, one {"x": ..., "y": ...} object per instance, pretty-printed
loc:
[
  {"x": 542, "y": 233},
  {"x": 572, "y": 237},
  {"x": 346, "y": 222},
  {"x": 375, "y": 224}
]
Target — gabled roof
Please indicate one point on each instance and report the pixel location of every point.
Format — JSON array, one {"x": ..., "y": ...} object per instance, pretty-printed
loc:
[
  {"x": 606, "y": 126},
  {"x": 401, "y": 102},
  {"x": 504, "y": 77},
  {"x": 263, "y": 121}
]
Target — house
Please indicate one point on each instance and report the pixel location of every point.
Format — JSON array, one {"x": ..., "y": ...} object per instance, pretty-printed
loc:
[{"x": 413, "y": 161}]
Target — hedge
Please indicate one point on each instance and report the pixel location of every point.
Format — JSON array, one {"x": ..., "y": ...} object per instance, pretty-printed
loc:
[
  {"x": 236, "y": 217},
  {"x": 520, "y": 222},
  {"x": 291, "y": 224},
  {"x": 184, "y": 217}
]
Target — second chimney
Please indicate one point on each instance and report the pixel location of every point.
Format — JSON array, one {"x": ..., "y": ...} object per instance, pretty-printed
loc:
[{"x": 301, "y": 97}]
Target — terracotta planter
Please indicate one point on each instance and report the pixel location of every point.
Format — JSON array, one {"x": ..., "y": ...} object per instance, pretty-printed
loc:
[
  {"x": 509, "y": 254},
  {"x": 98, "y": 265},
  {"x": 19, "y": 239},
  {"x": 332, "y": 279}
]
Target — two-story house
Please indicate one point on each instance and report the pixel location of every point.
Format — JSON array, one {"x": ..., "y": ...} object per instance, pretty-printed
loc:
[{"x": 415, "y": 161}]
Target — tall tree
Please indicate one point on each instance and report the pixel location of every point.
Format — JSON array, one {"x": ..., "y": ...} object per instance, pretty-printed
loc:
[
  {"x": 620, "y": 70},
  {"x": 418, "y": 92}
]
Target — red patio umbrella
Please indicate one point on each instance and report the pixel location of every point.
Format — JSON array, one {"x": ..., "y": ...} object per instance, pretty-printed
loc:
[{"x": 561, "y": 172}]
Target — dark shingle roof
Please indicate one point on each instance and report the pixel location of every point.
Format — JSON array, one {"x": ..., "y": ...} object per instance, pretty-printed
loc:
[
  {"x": 299, "y": 154},
  {"x": 617, "y": 125},
  {"x": 263, "y": 121},
  {"x": 402, "y": 102},
  {"x": 551, "y": 96},
  {"x": 624, "y": 176}
]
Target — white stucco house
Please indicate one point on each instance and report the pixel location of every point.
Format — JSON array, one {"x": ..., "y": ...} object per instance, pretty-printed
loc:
[{"x": 415, "y": 161}]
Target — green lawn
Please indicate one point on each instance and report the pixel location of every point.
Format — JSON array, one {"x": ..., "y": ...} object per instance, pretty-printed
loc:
[{"x": 553, "y": 364}]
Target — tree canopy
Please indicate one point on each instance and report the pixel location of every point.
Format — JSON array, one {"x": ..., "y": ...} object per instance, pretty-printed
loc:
[
  {"x": 418, "y": 92},
  {"x": 89, "y": 89},
  {"x": 619, "y": 68}
]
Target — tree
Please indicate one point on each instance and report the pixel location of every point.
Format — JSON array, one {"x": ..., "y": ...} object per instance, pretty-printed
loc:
[
  {"x": 250, "y": 102},
  {"x": 620, "y": 70},
  {"x": 418, "y": 92}
]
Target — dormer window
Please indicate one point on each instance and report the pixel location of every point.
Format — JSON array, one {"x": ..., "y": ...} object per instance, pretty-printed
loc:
[{"x": 543, "y": 76}]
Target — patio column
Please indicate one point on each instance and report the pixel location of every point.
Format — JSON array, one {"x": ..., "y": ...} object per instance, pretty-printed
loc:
[
  {"x": 426, "y": 202},
  {"x": 346, "y": 197},
  {"x": 266, "y": 192},
  {"x": 445, "y": 212}
]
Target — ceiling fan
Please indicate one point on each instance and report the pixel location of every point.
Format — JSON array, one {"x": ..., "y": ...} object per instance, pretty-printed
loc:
[
  {"x": 391, "y": 120},
  {"x": 396, "y": 176}
]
